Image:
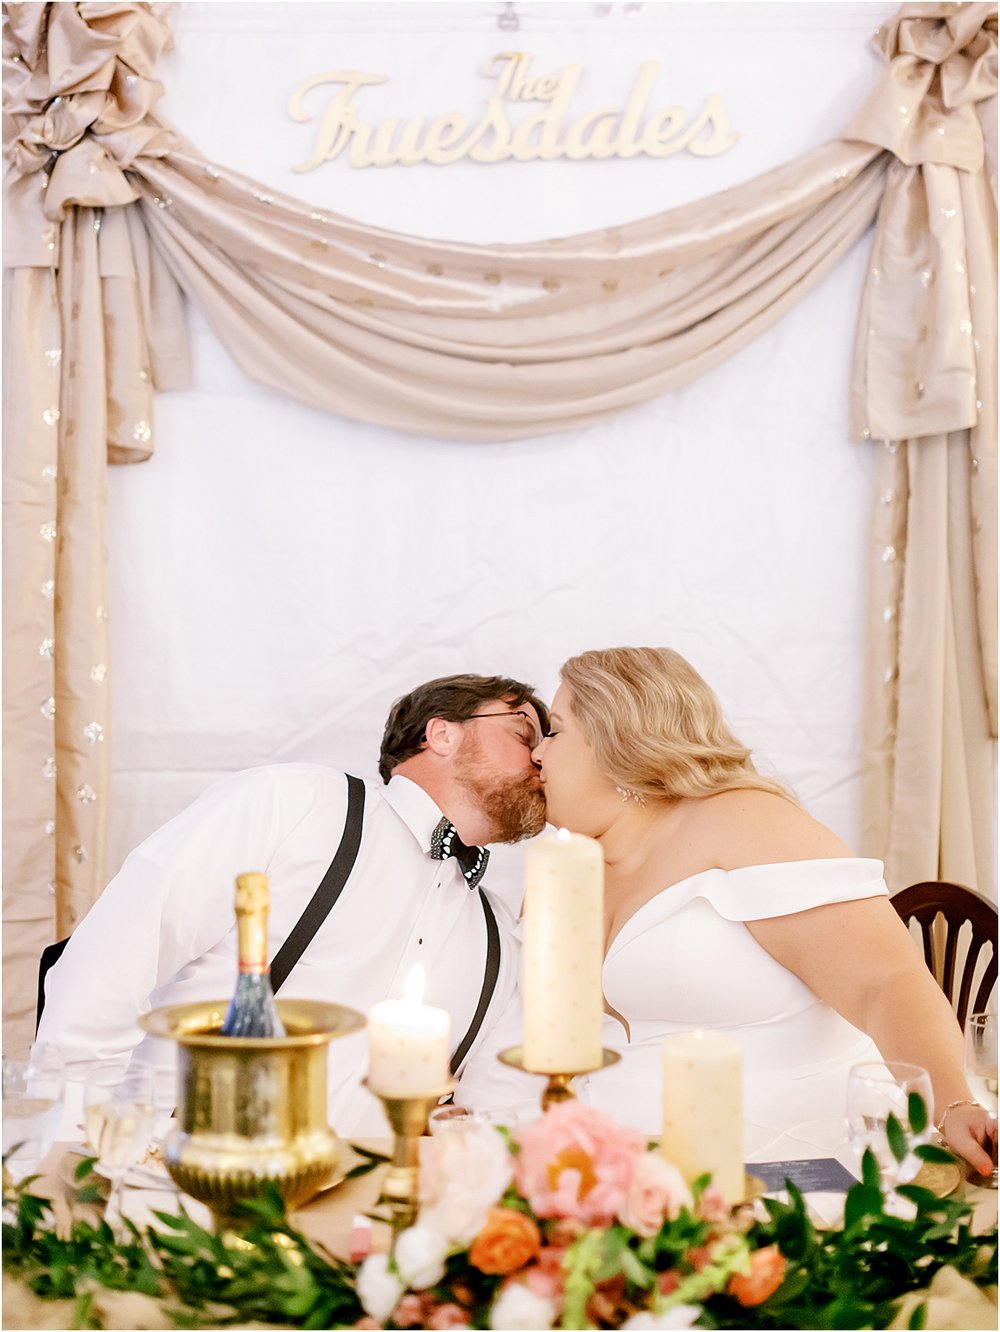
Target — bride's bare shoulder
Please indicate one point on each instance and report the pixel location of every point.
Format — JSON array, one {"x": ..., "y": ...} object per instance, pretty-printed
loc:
[{"x": 759, "y": 828}]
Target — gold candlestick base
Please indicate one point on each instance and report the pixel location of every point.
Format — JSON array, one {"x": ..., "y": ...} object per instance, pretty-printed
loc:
[
  {"x": 560, "y": 1085},
  {"x": 407, "y": 1116}
]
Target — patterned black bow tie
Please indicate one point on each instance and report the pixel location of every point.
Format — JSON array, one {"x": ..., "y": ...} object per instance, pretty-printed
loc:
[{"x": 445, "y": 842}]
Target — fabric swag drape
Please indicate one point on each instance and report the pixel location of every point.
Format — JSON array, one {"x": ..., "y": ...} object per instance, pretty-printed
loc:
[{"x": 112, "y": 220}]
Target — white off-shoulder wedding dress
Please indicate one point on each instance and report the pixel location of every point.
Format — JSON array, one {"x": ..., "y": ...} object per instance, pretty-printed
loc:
[{"x": 687, "y": 960}]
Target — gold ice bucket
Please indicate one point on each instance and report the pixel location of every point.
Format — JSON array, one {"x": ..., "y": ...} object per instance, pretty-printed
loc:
[{"x": 251, "y": 1110}]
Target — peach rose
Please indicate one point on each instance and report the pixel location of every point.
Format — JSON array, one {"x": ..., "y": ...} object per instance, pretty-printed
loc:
[
  {"x": 508, "y": 1241},
  {"x": 767, "y": 1271},
  {"x": 656, "y": 1190}
]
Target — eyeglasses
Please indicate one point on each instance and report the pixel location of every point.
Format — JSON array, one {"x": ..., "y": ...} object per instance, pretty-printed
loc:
[{"x": 530, "y": 734}]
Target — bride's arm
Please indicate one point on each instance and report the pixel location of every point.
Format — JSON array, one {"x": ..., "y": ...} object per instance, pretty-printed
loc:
[{"x": 859, "y": 958}]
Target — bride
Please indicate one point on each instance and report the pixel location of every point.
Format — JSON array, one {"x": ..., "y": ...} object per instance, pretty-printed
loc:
[{"x": 728, "y": 907}]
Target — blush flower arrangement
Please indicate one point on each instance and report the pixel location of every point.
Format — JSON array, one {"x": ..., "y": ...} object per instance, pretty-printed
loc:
[
  {"x": 576, "y": 1222},
  {"x": 573, "y": 1221}
]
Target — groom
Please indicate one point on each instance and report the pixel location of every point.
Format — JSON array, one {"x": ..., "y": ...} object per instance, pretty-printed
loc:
[{"x": 458, "y": 773}]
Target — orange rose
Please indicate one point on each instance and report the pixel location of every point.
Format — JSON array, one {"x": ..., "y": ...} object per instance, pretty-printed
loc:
[
  {"x": 507, "y": 1242},
  {"x": 767, "y": 1271}
]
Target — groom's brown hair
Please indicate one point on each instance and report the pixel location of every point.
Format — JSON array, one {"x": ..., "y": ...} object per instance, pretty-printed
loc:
[{"x": 453, "y": 697}]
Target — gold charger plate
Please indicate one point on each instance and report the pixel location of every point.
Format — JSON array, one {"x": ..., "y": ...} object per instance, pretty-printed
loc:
[{"x": 940, "y": 1177}]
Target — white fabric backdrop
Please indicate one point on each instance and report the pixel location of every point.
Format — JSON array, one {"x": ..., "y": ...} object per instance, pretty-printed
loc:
[{"x": 279, "y": 576}]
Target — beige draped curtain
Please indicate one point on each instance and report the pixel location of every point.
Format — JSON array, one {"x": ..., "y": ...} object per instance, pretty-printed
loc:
[{"x": 111, "y": 217}]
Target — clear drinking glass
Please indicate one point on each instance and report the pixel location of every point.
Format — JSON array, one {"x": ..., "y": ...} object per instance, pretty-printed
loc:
[
  {"x": 32, "y": 1107},
  {"x": 447, "y": 1118},
  {"x": 981, "y": 1069},
  {"x": 118, "y": 1121},
  {"x": 874, "y": 1092}
]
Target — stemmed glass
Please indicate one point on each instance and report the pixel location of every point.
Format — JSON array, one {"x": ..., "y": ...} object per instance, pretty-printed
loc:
[
  {"x": 874, "y": 1092},
  {"x": 118, "y": 1121},
  {"x": 32, "y": 1106},
  {"x": 981, "y": 1069}
]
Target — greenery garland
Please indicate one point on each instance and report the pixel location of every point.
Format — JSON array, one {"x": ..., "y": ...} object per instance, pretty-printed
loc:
[{"x": 853, "y": 1277}]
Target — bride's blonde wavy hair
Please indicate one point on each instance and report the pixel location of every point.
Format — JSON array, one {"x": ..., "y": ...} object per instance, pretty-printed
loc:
[{"x": 656, "y": 727}]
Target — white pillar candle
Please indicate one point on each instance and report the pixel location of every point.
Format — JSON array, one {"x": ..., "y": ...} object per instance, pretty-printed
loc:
[
  {"x": 408, "y": 1044},
  {"x": 703, "y": 1108},
  {"x": 563, "y": 954}
]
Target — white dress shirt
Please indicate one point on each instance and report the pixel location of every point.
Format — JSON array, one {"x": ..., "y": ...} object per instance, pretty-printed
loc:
[{"x": 164, "y": 932}]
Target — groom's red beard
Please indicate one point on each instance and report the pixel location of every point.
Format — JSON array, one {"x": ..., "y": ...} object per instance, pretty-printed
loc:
[{"x": 515, "y": 806}]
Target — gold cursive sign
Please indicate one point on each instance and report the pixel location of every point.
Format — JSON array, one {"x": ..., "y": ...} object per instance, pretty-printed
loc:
[{"x": 542, "y": 135}]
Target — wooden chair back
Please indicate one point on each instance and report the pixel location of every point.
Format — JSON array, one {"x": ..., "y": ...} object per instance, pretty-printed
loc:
[{"x": 957, "y": 906}]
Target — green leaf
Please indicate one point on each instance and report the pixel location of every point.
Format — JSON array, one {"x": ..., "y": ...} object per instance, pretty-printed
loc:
[
  {"x": 634, "y": 1270},
  {"x": 377, "y": 1157},
  {"x": 918, "y": 1318},
  {"x": 896, "y": 1138},
  {"x": 699, "y": 1185},
  {"x": 90, "y": 1193},
  {"x": 364, "y": 1168},
  {"x": 612, "y": 1252},
  {"x": 929, "y": 1152},
  {"x": 916, "y": 1108},
  {"x": 81, "y": 1310},
  {"x": 924, "y": 1199},
  {"x": 84, "y": 1167},
  {"x": 581, "y": 1262},
  {"x": 869, "y": 1170},
  {"x": 861, "y": 1202}
]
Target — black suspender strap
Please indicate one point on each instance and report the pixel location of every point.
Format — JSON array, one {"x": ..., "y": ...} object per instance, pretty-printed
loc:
[
  {"x": 326, "y": 894},
  {"x": 489, "y": 983},
  {"x": 50, "y": 956}
]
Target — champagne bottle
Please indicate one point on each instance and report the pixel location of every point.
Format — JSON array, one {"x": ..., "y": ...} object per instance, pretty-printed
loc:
[{"x": 252, "y": 1010}]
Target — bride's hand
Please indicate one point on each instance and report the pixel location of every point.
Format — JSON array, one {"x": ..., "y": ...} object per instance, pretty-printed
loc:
[{"x": 966, "y": 1131}]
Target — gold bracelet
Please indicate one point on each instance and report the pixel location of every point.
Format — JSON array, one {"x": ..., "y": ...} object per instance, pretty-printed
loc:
[{"x": 947, "y": 1110}]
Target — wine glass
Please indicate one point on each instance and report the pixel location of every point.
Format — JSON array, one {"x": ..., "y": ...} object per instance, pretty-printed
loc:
[
  {"x": 118, "y": 1121},
  {"x": 32, "y": 1106},
  {"x": 981, "y": 1069},
  {"x": 874, "y": 1092}
]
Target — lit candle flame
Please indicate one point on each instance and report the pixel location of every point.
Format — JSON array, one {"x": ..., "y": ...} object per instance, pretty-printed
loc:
[{"x": 413, "y": 990}]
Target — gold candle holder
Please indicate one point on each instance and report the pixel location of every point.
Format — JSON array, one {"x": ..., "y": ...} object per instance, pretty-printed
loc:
[
  {"x": 560, "y": 1085},
  {"x": 407, "y": 1116}
]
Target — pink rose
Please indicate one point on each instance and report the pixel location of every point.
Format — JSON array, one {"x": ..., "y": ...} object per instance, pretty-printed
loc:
[
  {"x": 713, "y": 1205},
  {"x": 448, "y": 1315},
  {"x": 656, "y": 1190},
  {"x": 409, "y": 1312},
  {"x": 547, "y": 1277},
  {"x": 576, "y": 1162}
]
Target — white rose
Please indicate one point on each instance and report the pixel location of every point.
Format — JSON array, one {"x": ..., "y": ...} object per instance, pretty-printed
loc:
[
  {"x": 520, "y": 1310},
  {"x": 378, "y": 1288},
  {"x": 420, "y": 1252},
  {"x": 463, "y": 1173},
  {"x": 677, "y": 1316}
]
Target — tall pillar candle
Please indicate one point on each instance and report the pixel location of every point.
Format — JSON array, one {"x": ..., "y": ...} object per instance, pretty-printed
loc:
[
  {"x": 703, "y": 1108},
  {"x": 563, "y": 954}
]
